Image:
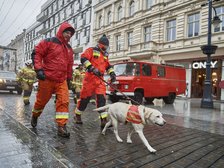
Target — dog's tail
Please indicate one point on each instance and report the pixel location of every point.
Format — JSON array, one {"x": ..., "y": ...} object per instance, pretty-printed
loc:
[{"x": 102, "y": 108}]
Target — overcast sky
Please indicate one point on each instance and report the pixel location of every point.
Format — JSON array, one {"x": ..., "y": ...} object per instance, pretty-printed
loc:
[{"x": 16, "y": 15}]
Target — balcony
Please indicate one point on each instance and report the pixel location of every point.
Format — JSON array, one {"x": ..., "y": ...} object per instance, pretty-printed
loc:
[
  {"x": 149, "y": 46},
  {"x": 41, "y": 17},
  {"x": 143, "y": 50}
]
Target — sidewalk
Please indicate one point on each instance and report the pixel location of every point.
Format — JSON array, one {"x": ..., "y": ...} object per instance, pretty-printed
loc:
[{"x": 193, "y": 137}]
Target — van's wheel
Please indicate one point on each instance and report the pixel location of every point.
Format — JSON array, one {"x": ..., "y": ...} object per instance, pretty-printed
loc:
[
  {"x": 149, "y": 100},
  {"x": 138, "y": 97},
  {"x": 169, "y": 99},
  {"x": 114, "y": 98}
]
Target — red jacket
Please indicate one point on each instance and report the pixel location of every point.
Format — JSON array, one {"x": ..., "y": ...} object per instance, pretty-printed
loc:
[
  {"x": 55, "y": 56},
  {"x": 93, "y": 56}
]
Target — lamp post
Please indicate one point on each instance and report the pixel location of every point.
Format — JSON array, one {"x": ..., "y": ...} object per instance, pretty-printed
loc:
[{"x": 207, "y": 100}]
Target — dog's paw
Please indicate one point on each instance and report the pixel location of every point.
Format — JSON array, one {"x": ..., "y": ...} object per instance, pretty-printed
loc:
[
  {"x": 103, "y": 133},
  {"x": 120, "y": 140},
  {"x": 152, "y": 150},
  {"x": 129, "y": 141}
]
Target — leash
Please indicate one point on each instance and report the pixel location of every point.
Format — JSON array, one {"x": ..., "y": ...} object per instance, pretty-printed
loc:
[{"x": 127, "y": 97}]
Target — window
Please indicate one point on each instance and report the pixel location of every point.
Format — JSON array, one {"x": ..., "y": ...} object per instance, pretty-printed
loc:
[
  {"x": 76, "y": 57},
  {"x": 84, "y": 18},
  {"x": 109, "y": 18},
  {"x": 75, "y": 22},
  {"x": 50, "y": 10},
  {"x": 127, "y": 69},
  {"x": 64, "y": 13},
  {"x": 76, "y": 35},
  {"x": 220, "y": 14},
  {"x": 132, "y": 8},
  {"x": 118, "y": 42},
  {"x": 100, "y": 21},
  {"x": 119, "y": 13},
  {"x": 130, "y": 38},
  {"x": 193, "y": 25},
  {"x": 86, "y": 31},
  {"x": 146, "y": 70},
  {"x": 147, "y": 34},
  {"x": 171, "y": 30},
  {"x": 161, "y": 71},
  {"x": 149, "y": 4}
]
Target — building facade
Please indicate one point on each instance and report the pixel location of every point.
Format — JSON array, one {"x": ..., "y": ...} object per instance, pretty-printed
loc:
[
  {"x": 18, "y": 44},
  {"x": 168, "y": 31},
  {"x": 7, "y": 59},
  {"x": 54, "y": 12}
]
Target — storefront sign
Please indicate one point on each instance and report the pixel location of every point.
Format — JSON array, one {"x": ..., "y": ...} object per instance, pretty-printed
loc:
[{"x": 200, "y": 65}]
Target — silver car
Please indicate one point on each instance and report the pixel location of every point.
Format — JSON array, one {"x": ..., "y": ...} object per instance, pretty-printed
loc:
[{"x": 8, "y": 82}]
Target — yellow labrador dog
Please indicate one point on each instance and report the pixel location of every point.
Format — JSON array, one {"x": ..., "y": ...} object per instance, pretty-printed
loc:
[{"x": 119, "y": 112}]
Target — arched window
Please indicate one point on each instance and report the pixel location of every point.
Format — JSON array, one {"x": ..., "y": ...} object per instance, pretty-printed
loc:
[
  {"x": 131, "y": 8},
  {"x": 109, "y": 17},
  {"x": 119, "y": 13},
  {"x": 100, "y": 21}
]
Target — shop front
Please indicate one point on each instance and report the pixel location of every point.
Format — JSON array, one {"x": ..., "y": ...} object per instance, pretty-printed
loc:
[{"x": 199, "y": 76}]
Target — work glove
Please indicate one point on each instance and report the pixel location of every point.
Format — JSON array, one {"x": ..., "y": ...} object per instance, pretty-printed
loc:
[
  {"x": 95, "y": 71},
  {"x": 40, "y": 74},
  {"x": 69, "y": 83},
  {"x": 112, "y": 77}
]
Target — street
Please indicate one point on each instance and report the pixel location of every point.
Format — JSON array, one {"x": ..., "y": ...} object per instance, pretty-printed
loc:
[{"x": 193, "y": 137}]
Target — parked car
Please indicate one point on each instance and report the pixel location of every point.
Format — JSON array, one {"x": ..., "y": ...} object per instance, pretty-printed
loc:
[{"x": 8, "y": 82}]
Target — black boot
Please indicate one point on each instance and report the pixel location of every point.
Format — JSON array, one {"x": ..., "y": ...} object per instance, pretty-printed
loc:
[
  {"x": 62, "y": 132},
  {"x": 34, "y": 121},
  {"x": 78, "y": 119},
  {"x": 75, "y": 100},
  {"x": 26, "y": 103}
]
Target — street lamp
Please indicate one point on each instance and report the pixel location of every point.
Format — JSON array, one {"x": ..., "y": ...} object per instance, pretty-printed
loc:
[{"x": 207, "y": 101}]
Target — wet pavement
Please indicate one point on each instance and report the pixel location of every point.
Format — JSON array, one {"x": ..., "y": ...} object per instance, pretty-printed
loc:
[{"x": 193, "y": 137}]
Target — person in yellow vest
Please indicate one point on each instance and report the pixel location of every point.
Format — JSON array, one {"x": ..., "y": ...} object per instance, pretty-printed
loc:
[
  {"x": 77, "y": 79},
  {"x": 26, "y": 77}
]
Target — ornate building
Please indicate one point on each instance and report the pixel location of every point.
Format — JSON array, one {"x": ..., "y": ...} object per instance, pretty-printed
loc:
[{"x": 167, "y": 31}]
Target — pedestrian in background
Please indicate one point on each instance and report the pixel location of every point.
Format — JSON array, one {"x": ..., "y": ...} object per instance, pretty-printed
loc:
[
  {"x": 26, "y": 77},
  {"x": 53, "y": 61},
  {"x": 95, "y": 60},
  {"x": 77, "y": 79}
]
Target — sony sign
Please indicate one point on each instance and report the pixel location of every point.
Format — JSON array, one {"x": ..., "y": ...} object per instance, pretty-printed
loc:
[{"x": 200, "y": 65}]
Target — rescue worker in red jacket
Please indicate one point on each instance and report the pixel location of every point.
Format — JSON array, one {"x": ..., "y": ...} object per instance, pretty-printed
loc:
[
  {"x": 95, "y": 60},
  {"x": 53, "y": 61}
]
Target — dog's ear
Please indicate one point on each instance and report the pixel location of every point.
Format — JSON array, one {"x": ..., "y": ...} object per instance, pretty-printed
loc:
[
  {"x": 142, "y": 113},
  {"x": 147, "y": 113}
]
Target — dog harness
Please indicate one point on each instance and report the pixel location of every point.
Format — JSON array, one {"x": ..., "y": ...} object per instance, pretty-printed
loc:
[{"x": 133, "y": 115}]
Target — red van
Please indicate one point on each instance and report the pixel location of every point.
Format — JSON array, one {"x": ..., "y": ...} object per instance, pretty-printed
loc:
[{"x": 139, "y": 80}]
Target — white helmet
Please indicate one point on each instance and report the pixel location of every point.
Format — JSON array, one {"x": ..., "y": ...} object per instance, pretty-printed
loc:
[{"x": 28, "y": 62}]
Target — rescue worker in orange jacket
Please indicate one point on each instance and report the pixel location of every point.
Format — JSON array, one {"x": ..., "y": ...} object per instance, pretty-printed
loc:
[
  {"x": 95, "y": 60},
  {"x": 26, "y": 77},
  {"x": 53, "y": 61}
]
